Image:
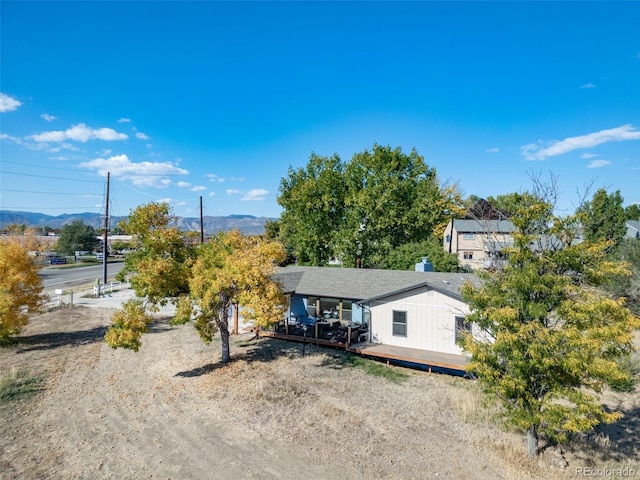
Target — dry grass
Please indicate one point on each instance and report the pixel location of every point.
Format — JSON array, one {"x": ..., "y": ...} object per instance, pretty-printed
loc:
[
  {"x": 323, "y": 400},
  {"x": 377, "y": 421}
]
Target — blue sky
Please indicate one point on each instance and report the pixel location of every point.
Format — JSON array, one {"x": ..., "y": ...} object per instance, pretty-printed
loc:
[{"x": 213, "y": 99}]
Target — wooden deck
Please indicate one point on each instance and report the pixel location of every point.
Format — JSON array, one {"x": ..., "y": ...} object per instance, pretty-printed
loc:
[{"x": 424, "y": 358}]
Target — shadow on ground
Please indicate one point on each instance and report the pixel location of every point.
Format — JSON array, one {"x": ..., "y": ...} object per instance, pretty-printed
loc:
[
  {"x": 269, "y": 349},
  {"x": 616, "y": 442},
  {"x": 53, "y": 340}
]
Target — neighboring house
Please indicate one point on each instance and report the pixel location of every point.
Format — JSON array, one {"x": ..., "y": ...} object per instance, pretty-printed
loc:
[
  {"x": 633, "y": 229},
  {"x": 478, "y": 243},
  {"x": 418, "y": 311}
]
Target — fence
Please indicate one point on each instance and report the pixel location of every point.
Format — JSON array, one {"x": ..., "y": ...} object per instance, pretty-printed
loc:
[
  {"x": 110, "y": 287},
  {"x": 62, "y": 298}
]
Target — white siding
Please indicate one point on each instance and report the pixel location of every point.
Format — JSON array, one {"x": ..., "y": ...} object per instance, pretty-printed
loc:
[{"x": 430, "y": 320}]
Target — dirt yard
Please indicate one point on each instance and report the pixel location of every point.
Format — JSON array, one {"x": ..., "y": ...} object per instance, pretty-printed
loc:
[{"x": 171, "y": 412}]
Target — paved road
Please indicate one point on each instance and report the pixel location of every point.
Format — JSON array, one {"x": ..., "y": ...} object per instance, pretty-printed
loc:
[{"x": 56, "y": 277}]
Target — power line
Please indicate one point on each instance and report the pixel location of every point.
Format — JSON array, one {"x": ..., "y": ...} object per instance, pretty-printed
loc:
[
  {"x": 43, "y": 166},
  {"x": 23, "y": 208},
  {"x": 52, "y": 193},
  {"x": 50, "y": 178}
]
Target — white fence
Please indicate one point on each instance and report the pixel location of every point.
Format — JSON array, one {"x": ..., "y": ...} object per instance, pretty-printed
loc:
[{"x": 62, "y": 298}]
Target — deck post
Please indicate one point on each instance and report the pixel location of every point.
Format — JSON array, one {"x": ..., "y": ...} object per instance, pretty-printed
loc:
[
  {"x": 316, "y": 331},
  {"x": 349, "y": 335}
]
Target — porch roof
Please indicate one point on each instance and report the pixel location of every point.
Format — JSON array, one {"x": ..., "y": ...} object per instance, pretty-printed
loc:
[{"x": 359, "y": 284}]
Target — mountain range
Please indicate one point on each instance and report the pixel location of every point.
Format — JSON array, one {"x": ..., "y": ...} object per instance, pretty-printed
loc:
[{"x": 247, "y": 224}]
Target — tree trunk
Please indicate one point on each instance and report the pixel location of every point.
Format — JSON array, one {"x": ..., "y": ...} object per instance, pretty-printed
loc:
[
  {"x": 532, "y": 441},
  {"x": 224, "y": 337}
]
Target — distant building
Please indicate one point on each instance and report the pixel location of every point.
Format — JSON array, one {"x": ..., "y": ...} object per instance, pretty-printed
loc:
[
  {"x": 633, "y": 229},
  {"x": 478, "y": 243}
]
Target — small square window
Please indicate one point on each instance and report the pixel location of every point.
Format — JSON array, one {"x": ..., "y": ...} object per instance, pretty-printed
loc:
[
  {"x": 468, "y": 255},
  {"x": 399, "y": 323}
]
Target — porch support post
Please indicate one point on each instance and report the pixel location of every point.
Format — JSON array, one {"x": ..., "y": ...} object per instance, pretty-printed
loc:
[{"x": 235, "y": 319}]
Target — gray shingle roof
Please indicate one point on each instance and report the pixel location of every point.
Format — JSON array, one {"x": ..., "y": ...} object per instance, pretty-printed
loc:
[
  {"x": 363, "y": 283},
  {"x": 633, "y": 227},
  {"x": 483, "y": 226}
]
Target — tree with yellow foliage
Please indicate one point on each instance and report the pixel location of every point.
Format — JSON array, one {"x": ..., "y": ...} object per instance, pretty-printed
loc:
[
  {"x": 204, "y": 281},
  {"x": 233, "y": 269},
  {"x": 20, "y": 288},
  {"x": 546, "y": 337}
]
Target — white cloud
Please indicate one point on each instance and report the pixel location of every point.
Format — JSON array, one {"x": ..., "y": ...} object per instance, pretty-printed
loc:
[
  {"x": 148, "y": 174},
  {"x": 492, "y": 150},
  {"x": 142, "y": 136},
  {"x": 231, "y": 191},
  {"x": 183, "y": 184},
  {"x": 8, "y": 104},
  {"x": 598, "y": 163},
  {"x": 79, "y": 133},
  {"x": 48, "y": 118},
  {"x": 588, "y": 85},
  {"x": 124, "y": 120},
  {"x": 212, "y": 194},
  {"x": 587, "y": 156},
  {"x": 255, "y": 195},
  {"x": 542, "y": 150},
  {"x": 9, "y": 138},
  {"x": 198, "y": 188},
  {"x": 214, "y": 178}
]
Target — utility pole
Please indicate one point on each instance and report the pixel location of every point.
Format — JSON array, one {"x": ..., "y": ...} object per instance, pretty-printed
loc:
[
  {"x": 106, "y": 233},
  {"x": 201, "y": 222}
]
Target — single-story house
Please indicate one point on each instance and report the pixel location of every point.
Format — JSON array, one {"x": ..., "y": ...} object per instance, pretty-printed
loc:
[{"x": 419, "y": 311}]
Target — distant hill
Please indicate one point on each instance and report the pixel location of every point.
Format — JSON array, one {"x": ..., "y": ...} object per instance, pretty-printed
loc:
[{"x": 245, "y": 223}]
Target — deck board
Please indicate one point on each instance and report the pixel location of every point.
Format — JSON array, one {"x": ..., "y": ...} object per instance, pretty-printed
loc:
[
  {"x": 413, "y": 355},
  {"x": 425, "y": 358}
]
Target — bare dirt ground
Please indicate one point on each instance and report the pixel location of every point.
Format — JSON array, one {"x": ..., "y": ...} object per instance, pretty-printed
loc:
[{"x": 171, "y": 412}]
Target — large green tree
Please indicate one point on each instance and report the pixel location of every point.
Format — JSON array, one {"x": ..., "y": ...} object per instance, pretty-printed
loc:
[
  {"x": 204, "y": 281},
  {"x": 546, "y": 336},
  {"x": 604, "y": 217},
  {"x": 361, "y": 210},
  {"x": 77, "y": 236},
  {"x": 632, "y": 212},
  {"x": 407, "y": 255},
  {"x": 313, "y": 199}
]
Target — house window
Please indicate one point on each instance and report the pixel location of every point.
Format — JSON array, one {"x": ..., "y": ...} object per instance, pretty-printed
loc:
[
  {"x": 366, "y": 315},
  {"x": 468, "y": 236},
  {"x": 399, "y": 323},
  {"x": 346, "y": 310},
  {"x": 467, "y": 255},
  {"x": 329, "y": 308},
  {"x": 312, "y": 306},
  {"x": 462, "y": 328}
]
